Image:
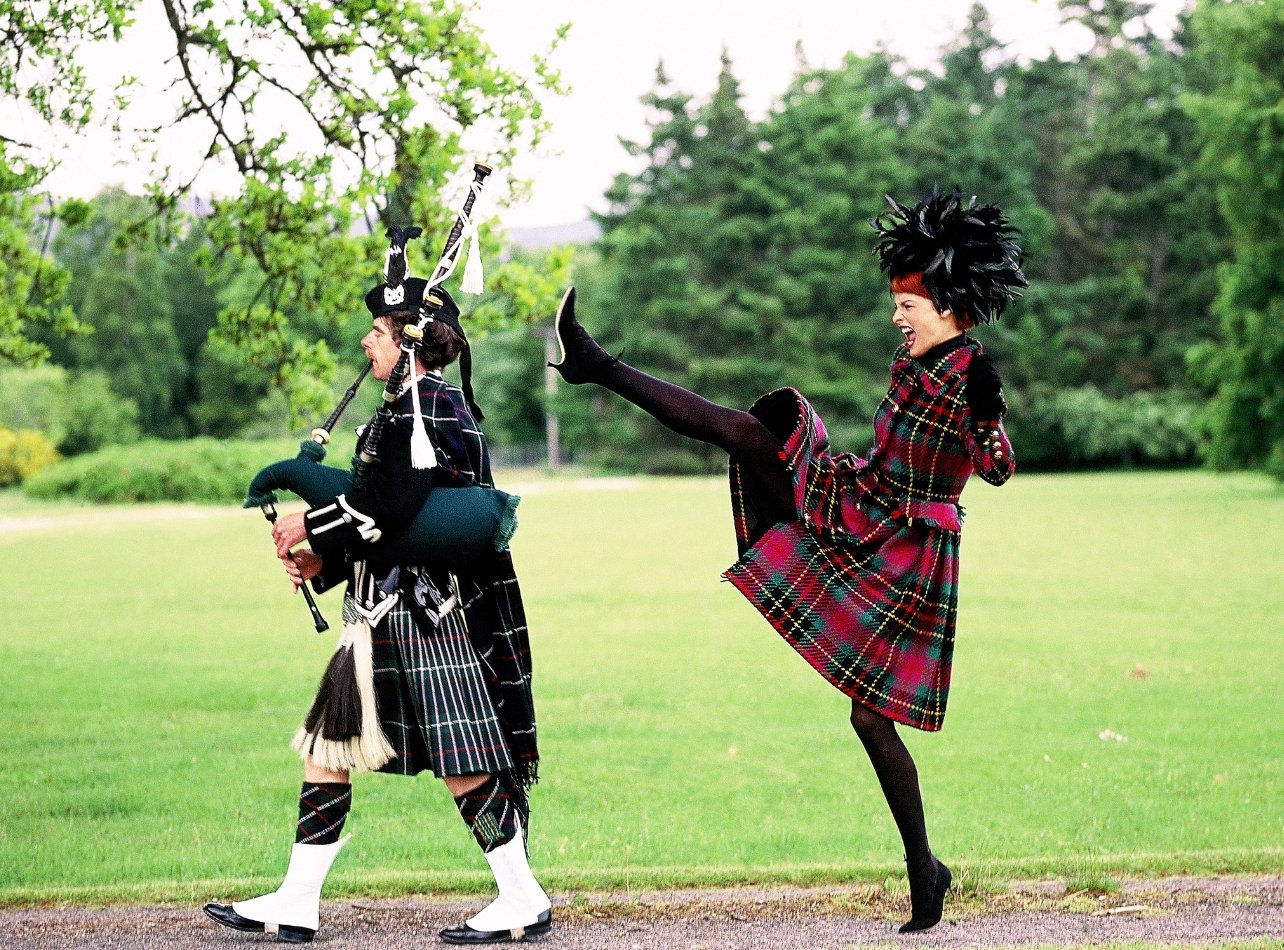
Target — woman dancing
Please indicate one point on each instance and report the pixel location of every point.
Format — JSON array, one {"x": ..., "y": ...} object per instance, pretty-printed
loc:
[{"x": 854, "y": 559}]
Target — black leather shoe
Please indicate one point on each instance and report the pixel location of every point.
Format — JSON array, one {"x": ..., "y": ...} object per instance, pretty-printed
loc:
[
  {"x": 465, "y": 934},
  {"x": 225, "y": 914},
  {"x": 583, "y": 361},
  {"x": 929, "y": 883}
]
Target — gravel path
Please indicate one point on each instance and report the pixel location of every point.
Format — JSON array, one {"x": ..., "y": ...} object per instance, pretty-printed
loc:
[{"x": 1171, "y": 910}]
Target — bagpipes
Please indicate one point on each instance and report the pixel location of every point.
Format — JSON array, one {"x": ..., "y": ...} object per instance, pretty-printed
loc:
[{"x": 456, "y": 525}]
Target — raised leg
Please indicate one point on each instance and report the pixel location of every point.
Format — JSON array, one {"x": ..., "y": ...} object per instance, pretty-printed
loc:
[{"x": 739, "y": 434}]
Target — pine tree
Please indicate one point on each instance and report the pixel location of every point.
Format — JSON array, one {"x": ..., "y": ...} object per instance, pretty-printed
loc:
[
  {"x": 123, "y": 290},
  {"x": 677, "y": 281},
  {"x": 1243, "y": 151}
]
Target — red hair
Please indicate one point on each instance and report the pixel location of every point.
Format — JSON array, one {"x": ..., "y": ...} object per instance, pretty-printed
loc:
[{"x": 912, "y": 283}]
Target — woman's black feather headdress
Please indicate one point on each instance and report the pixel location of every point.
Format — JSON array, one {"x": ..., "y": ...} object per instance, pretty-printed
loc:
[{"x": 967, "y": 254}]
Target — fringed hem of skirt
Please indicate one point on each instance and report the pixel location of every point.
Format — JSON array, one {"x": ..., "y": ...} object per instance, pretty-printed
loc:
[{"x": 851, "y": 690}]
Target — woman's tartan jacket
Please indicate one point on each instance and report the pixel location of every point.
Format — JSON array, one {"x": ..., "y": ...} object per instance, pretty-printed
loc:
[
  {"x": 491, "y": 599},
  {"x": 864, "y": 584}
]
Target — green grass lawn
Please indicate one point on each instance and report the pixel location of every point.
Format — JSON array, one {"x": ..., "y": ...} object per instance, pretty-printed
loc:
[{"x": 1116, "y": 700}]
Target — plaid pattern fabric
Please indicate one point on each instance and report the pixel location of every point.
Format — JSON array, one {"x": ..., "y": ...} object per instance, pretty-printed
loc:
[
  {"x": 492, "y": 599},
  {"x": 433, "y": 702},
  {"x": 323, "y": 808},
  {"x": 491, "y": 620},
  {"x": 491, "y": 814},
  {"x": 864, "y": 585},
  {"x": 496, "y": 617}
]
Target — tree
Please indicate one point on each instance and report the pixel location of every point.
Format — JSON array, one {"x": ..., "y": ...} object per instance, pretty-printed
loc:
[
  {"x": 1147, "y": 222},
  {"x": 834, "y": 149},
  {"x": 1242, "y": 147},
  {"x": 126, "y": 292},
  {"x": 675, "y": 253},
  {"x": 1122, "y": 238},
  {"x": 737, "y": 260},
  {"x": 383, "y": 101},
  {"x": 41, "y": 81},
  {"x": 193, "y": 298},
  {"x": 134, "y": 337}
]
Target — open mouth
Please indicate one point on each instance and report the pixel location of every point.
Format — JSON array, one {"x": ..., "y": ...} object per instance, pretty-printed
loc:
[{"x": 910, "y": 335}]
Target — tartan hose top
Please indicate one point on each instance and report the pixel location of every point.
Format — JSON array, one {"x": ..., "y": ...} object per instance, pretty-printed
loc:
[{"x": 863, "y": 584}]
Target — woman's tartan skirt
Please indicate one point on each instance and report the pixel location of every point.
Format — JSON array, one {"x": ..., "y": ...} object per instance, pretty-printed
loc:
[
  {"x": 870, "y": 598},
  {"x": 874, "y": 617},
  {"x": 432, "y": 698}
]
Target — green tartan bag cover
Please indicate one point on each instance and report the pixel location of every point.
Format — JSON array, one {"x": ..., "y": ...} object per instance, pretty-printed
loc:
[{"x": 456, "y": 525}]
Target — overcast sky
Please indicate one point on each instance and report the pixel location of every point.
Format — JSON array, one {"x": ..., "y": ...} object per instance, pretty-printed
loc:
[{"x": 610, "y": 56}]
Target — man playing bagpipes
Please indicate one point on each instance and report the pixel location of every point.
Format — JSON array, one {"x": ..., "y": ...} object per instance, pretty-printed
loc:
[{"x": 433, "y": 670}]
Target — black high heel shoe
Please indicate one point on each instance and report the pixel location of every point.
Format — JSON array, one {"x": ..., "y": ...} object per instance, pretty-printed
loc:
[
  {"x": 583, "y": 361},
  {"x": 929, "y": 882}
]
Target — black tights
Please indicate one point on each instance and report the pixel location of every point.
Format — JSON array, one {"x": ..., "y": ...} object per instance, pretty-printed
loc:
[
  {"x": 740, "y": 435},
  {"x": 751, "y": 444},
  {"x": 898, "y": 777}
]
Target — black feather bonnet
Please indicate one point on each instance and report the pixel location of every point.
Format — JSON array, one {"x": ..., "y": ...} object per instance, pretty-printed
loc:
[{"x": 967, "y": 254}]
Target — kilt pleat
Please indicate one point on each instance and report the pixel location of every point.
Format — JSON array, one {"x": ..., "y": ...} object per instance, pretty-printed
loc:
[{"x": 432, "y": 697}]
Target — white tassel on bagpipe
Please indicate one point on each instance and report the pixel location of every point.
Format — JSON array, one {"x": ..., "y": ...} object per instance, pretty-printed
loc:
[
  {"x": 473, "y": 283},
  {"x": 422, "y": 454},
  {"x": 472, "y": 279},
  {"x": 370, "y": 750}
]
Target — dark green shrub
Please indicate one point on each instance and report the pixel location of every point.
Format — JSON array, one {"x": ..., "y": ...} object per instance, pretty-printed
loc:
[
  {"x": 77, "y": 411},
  {"x": 94, "y": 416},
  {"x": 1084, "y": 428},
  {"x": 203, "y": 469}
]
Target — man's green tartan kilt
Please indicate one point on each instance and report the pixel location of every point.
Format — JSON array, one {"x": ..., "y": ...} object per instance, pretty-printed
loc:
[{"x": 433, "y": 702}]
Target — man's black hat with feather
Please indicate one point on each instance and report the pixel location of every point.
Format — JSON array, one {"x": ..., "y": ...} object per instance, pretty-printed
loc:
[
  {"x": 400, "y": 293},
  {"x": 966, "y": 254}
]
